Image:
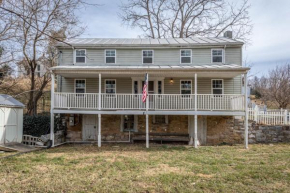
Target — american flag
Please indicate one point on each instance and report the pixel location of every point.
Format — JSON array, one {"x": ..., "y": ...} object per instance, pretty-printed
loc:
[{"x": 144, "y": 96}]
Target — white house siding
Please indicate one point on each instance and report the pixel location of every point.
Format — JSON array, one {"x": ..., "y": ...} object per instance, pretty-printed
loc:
[
  {"x": 124, "y": 85},
  {"x": 233, "y": 56},
  {"x": 66, "y": 57},
  {"x": 161, "y": 56},
  {"x": 231, "y": 85}
]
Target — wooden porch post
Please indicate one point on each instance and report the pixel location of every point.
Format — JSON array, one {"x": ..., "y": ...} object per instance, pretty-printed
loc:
[
  {"x": 246, "y": 110},
  {"x": 147, "y": 116},
  {"x": 51, "y": 109},
  {"x": 195, "y": 108},
  {"x": 99, "y": 115}
]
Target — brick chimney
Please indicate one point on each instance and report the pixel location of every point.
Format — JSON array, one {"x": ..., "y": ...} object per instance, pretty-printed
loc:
[{"x": 228, "y": 34}]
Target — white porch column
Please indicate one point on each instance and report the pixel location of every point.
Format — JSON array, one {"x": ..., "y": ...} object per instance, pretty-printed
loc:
[
  {"x": 99, "y": 115},
  {"x": 246, "y": 110},
  {"x": 99, "y": 130},
  {"x": 195, "y": 108},
  {"x": 147, "y": 116},
  {"x": 51, "y": 110}
]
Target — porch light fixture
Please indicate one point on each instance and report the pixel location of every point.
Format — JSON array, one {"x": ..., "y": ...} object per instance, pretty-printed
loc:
[{"x": 171, "y": 81}]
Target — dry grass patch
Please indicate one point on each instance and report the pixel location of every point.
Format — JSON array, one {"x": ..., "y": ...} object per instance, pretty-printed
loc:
[{"x": 162, "y": 168}]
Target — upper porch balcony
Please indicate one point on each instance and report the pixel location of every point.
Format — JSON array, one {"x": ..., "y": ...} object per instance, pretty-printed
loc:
[
  {"x": 183, "y": 102},
  {"x": 162, "y": 96}
]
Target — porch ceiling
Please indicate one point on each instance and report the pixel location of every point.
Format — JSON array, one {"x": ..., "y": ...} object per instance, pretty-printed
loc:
[{"x": 221, "y": 71}]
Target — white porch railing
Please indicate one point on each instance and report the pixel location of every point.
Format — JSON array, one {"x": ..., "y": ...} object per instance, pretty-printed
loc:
[
  {"x": 225, "y": 102},
  {"x": 76, "y": 101}
]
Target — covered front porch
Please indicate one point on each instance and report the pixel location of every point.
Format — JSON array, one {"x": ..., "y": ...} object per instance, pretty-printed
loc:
[{"x": 176, "y": 90}]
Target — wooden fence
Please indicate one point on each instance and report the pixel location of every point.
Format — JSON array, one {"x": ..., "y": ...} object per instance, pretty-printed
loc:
[{"x": 269, "y": 117}]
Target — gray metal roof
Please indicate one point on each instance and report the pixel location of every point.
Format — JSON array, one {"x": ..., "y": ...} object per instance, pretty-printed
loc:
[
  {"x": 131, "y": 42},
  {"x": 156, "y": 67},
  {"x": 9, "y": 101}
]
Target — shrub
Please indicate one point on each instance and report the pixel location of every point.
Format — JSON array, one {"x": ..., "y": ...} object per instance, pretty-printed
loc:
[
  {"x": 40, "y": 125},
  {"x": 36, "y": 125}
]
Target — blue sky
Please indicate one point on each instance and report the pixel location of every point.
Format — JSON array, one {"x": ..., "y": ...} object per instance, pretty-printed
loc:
[{"x": 270, "y": 39}]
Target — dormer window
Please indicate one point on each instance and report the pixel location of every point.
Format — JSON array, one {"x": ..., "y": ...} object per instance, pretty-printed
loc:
[
  {"x": 217, "y": 55},
  {"x": 147, "y": 56},
  {"x": 110, "y": 56},
  {"x": 80, "y": 56}
]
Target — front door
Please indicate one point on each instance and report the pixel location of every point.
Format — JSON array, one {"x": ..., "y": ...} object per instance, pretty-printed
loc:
[{"x": 89, "y": 127}]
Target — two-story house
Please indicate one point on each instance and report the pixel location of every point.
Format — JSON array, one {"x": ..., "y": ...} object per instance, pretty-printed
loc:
[{"x": 194, "y": 89}]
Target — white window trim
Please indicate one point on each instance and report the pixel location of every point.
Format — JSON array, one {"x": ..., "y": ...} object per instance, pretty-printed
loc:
[
  {"x": 156, "y": 86},
  {"x": 135, "y": 124},
  {"x": 75, "y": 56},
  {"x": 152, "y": 56},
  {"x": 76, "y": 87},
  {"x": 213, "y": 88},
  {"x": 223, "y": 55},
  {"x": 140, "y": 86},
  {"x": 186, "y": 56},
  {"x": 110, "y": 56},
  {"x": 105, "y": 85},
  {"x": 190, "y": 88}
]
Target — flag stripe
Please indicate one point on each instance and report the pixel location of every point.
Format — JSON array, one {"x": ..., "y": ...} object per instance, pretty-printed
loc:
[{"x": 144, "y": 96}]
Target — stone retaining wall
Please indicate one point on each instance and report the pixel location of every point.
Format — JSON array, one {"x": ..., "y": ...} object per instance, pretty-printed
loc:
[
  {"x": 228, "y": 130},
  {"x": 268, "y": 134}
]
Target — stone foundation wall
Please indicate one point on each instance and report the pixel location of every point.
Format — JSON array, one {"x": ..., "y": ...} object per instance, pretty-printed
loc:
[
  {"x": 224, "y": 130},
  {"x": 176, "y": 124},
  {"x": 111, "y": 127},
  {"x": 220, "y": 129},
  {"x": 74, "y": 133}
]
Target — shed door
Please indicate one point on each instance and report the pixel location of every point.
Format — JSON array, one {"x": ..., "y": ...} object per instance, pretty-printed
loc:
[
  {"x": 8, "y": 125},
  {"x": 11, "y": 132},
  {"x": 89, "y": 127}
]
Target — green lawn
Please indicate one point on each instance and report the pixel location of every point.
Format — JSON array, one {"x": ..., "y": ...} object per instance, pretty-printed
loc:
[{"x": 162, "y": 168}]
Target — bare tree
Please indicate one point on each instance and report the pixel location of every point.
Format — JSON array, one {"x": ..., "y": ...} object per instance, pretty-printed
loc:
[
  {"x": 38, "y": 25},
  {"x": 275, "y": 87},
  {"x": 187, "y": 18}
]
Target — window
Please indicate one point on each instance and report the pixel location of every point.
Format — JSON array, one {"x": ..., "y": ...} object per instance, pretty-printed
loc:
[
  {"x": 147, "y": 56},
  {"x": 129, "y": 123},
  {"x": 159, "y": 87},
  {"x": 185, "y": 88},
  {"x": 217, "y": 55},
  {"x": 110, "y": 86},
  {"x": 80, "y": 86},
  {"x": 217, "y": 87},
  {"x": 135, "y": 87},
  {"x": 80, "y": 56},
  {"x": 111, "y": 56},
  {"x": 185, "y": 56}
]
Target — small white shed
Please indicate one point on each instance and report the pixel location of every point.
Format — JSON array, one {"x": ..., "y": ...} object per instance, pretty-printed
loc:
[{"x": 11, "y": 120}]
